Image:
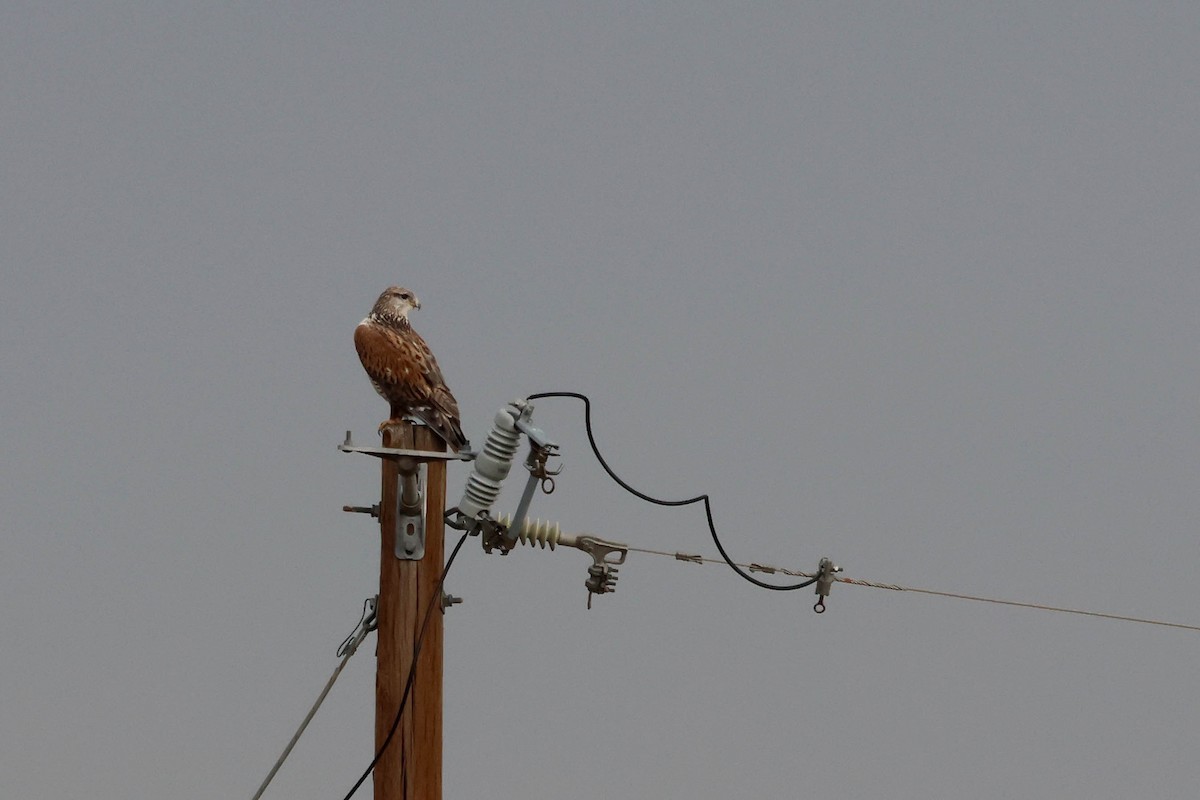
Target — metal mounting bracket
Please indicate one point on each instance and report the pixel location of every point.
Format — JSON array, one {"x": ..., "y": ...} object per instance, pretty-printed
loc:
[
  {"x": 410, "y": 511},
  {"x": 348, "y": 446}
]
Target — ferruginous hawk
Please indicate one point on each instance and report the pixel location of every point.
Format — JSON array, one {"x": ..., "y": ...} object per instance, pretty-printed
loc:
[{"x": 402, "y": 368}]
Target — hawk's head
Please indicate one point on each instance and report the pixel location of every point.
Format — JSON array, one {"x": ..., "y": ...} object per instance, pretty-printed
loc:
[{"x": 395, "y": 303}]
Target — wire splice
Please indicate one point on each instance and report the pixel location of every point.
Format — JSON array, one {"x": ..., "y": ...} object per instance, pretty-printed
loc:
[{"x": 826, "y": 574}]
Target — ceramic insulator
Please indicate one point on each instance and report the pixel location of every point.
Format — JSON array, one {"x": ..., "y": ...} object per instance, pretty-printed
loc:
[
  {"x": 492, "y": 464},
  {"x": 542, "y": 533}
]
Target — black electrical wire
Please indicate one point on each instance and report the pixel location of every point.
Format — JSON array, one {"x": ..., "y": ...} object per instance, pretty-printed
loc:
[
  {"x": 702, "y": 498},
  {"x": 434, "y": 602}
]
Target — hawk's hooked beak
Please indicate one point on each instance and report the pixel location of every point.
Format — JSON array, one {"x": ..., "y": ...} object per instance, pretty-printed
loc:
[{"x": 416, "y": 303}]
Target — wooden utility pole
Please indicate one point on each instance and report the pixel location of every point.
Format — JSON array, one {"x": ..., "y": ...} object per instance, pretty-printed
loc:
[{"x": 411, "y": 768}]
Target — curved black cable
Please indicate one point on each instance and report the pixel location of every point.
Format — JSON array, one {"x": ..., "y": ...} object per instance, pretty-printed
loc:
[
  {"x": 434, "y": 602},
  {"x": 701, "y": 498}
]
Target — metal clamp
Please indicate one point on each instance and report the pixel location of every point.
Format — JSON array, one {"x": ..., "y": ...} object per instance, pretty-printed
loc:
[
  {"x": 366, "y": 623},
  {"x": 536, "y": 464},
  {"x": 826, "y": 573},
  {"x": 410, "y": 511},
  {"x": 606, "y": 556}
]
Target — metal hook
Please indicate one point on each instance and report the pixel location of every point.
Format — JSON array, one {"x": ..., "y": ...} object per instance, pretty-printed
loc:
[
  {"x": 537, "y": 467},
  {"x": 820, "y": 606}
]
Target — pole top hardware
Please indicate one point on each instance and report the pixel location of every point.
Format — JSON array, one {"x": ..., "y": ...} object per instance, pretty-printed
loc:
[{"x": 348, "y": 446}]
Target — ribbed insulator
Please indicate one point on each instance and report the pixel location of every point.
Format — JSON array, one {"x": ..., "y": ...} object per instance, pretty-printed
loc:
[
  {"x": 542, "y": 533},
  {"x": 492, "y": 464}
]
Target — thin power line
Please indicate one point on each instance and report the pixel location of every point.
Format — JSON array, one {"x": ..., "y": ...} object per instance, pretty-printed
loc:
[
  {"x": 744, "y": 570},
  {"x": 754, "y": 567},
  {"x": 1019, "y": 604}
]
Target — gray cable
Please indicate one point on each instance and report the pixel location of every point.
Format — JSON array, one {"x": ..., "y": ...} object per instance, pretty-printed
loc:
[{"x": 348, "y": 648}]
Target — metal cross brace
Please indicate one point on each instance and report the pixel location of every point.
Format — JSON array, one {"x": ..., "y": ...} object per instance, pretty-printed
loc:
[{"x": 348, "y": 446}]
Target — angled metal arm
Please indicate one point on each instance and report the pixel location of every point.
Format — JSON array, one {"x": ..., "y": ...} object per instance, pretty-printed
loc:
[{"x": 348, "y": 446}]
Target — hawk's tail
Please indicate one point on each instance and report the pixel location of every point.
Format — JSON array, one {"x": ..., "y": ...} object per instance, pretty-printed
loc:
[{"x": 446, "y": 427}]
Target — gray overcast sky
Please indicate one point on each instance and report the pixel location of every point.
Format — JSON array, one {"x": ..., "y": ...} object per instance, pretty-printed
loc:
[{"x": 910, "y": 285}]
